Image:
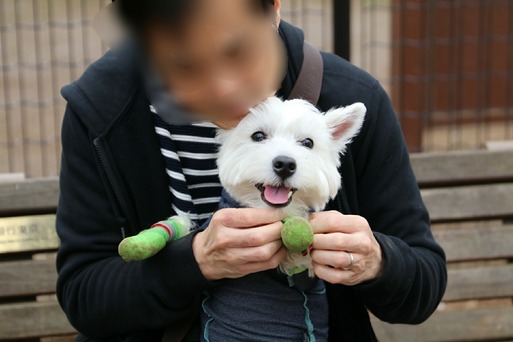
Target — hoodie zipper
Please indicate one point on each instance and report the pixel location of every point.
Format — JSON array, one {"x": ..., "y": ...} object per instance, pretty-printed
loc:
[{"x": 123, "y": 205}]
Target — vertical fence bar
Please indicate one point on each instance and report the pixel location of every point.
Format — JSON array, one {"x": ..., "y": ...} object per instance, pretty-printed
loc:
[
  {"x": 36, "y": 17},
  {"x": 508, "y": 110},
  {"x": 6, "y": 88},
  {"x": 101, "y": 4},
  {"x": 325, "y": 28},
  {"x": 430, "y": 45},
  {"x": 71, "y": 42},
  {"x": 54, "y": 79},
  {"x": 411, "y": 86},
  {"x": 21, "y": 85},
  {"x": 422, "y": 76},
  {"x": 490, "y": 76},
  {"x": 481, "y": 74},
  {"x": 85, "y": 33},
  {"x": 458, "y": 42},
  {"x": 373, "y": 40},
  {"x": 341, "y": 28},
  {"x": 304, "y": 15}
]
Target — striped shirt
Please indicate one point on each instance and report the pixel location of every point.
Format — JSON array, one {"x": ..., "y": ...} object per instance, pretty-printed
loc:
[{"x": 190, "y": 153}]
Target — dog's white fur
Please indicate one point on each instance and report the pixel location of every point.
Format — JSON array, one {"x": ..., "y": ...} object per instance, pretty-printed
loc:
[{"x": 243, "y": 163}]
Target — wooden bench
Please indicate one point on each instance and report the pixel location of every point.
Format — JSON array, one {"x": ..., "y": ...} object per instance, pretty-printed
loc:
[
  {"x": 470, "y": 198},
  {"x": 28, "y": 241}
]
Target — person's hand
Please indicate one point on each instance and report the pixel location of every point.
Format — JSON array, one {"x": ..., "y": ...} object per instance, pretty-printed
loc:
[
  {"x": 344, "y": 249},
  {"x": 238, "y": 242}
]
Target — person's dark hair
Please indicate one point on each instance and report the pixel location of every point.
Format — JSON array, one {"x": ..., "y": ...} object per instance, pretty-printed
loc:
[{"x": 137, "y": 14}]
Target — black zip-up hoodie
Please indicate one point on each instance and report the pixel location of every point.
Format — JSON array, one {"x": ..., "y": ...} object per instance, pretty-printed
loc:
[{"x": 113, "y": 180}]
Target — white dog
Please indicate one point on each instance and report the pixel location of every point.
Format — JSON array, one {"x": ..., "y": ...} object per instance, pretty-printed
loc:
[{"x": 285, "y": 155}]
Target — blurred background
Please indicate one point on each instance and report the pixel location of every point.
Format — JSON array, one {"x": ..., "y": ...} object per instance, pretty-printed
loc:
[{"x": 446, "y": 64}]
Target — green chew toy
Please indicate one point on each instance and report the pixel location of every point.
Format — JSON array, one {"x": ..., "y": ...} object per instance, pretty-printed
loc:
[
  {"x": 150, "y": 241},
  {"x": 297, "y": 234}
]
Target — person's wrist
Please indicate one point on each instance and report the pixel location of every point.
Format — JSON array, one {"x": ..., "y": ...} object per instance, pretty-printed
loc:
[
  {"x": 199, "y": 255},
  {"x": 380, "y": 263},
  {"x": 197, "y": 242}
]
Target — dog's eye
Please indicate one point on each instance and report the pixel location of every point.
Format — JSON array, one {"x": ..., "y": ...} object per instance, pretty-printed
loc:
[
  {"x": 258, "y": 136},
  {"x": 308, "y": 143}
]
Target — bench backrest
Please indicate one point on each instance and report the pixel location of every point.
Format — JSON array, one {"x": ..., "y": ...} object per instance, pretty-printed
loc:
[
  {"x": 28, "y": 241},
  {"x": 470, "y": 199}
]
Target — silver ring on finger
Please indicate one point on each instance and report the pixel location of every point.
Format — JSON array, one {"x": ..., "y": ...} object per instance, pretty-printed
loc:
[{"x": 348, "y": 267}]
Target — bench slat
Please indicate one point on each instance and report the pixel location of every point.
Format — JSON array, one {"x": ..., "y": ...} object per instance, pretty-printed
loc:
[
  {"x": 480, "y": 283},
  {"x": 468, "y": 244},
  {"x": 69, "y": 338},
  {"x": 27, "y": 278},
  {"x": 469, "y": 325},
  {"x": 38, "y": 277},
  {"x": 429, "y": 168},
  {"x": 469, "y": 202},
  {"x": 462, "y": 167},
  {"x": 29, "y": 196},
  {"x": 31, "y": 320}
]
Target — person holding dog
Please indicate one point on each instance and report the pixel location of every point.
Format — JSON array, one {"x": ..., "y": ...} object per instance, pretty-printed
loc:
[{"x": 134, "y": 153}]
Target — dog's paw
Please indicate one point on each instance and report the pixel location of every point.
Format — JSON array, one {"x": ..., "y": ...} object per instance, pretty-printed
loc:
[
  {"x": 295, "y": 263},
  {"x": 184, "y": 223}
]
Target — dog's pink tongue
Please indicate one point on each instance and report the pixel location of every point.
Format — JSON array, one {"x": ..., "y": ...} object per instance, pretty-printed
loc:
[{"x": 276, "y": 195}]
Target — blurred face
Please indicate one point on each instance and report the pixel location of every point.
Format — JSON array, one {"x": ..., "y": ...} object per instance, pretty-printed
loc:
[{"x": 227, "y": 58}]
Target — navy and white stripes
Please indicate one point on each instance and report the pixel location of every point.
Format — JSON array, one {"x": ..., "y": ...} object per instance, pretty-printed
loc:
[{"x": 190, "y": 153}]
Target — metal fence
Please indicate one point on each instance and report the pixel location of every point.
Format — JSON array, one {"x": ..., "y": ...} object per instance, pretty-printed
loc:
[
  {"x": 465, "y": 81},
  {"x": 44, "y": 44},
  {"x": 315, "y": 17},
  {"x": 448, "y": 66}
]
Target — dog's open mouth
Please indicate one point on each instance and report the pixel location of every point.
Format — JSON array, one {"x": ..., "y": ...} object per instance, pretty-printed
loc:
[{"x": 276, "y": 196}]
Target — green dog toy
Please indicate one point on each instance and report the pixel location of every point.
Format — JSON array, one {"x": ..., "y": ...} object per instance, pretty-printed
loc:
[
  {"x": 297, "y": 236},
  {"x": 150, "y": 241}
]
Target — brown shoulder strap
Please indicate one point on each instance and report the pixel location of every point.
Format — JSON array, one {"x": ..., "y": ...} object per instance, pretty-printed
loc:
[{"x": 309, "y": 81}]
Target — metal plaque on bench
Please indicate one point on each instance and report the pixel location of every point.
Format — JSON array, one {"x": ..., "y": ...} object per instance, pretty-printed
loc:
[{"x": 28, "y": 233}]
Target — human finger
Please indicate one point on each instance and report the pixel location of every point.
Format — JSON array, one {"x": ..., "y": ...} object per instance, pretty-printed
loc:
[
  {"x": 258, "y": 266},
  {"x": 250, "y": 237},
  {"x": 335, "y": 259},
  {"x": 334, "y": 221},
  {"x": 335, "y": 275},
  {"x": 261, "y": 253},
  {"x": 247, "y": 217},
  {"x": 355, "y": 242}
]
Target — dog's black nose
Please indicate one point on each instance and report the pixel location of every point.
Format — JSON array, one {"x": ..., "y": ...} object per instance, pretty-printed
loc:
[{"x": 284, "y": 166}]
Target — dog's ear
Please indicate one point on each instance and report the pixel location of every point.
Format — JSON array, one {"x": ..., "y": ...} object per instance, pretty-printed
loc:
[{"x": 345, "y": 123}]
